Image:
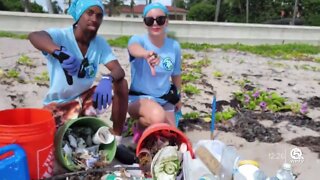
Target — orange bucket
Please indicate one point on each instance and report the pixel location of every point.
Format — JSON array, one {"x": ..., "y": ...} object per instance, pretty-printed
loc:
[
  {"x": 167, "y": 131},
  {"x": 33, "y": 130}
]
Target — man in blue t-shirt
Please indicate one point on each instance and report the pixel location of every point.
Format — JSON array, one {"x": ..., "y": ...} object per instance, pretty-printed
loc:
[{"x": 74, "y": 55}]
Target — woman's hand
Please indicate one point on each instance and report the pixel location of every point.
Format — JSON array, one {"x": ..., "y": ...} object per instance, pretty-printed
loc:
[
  {"x": 153, "y": 60},
  {"x": 178, "y": 106}
]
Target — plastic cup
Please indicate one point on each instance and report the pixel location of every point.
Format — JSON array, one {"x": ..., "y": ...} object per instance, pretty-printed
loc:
[{"x": 103, "y": 136}]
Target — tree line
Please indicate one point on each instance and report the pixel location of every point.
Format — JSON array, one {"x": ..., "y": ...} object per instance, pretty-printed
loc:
[{"x": 306, "y": 12}]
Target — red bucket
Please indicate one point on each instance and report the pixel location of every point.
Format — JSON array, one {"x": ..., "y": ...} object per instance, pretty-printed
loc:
[
  {"x": 33, "y": 130},
  {"x": 167, "y": 131}
]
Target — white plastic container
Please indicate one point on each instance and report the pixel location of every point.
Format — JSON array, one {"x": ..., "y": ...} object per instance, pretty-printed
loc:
[
  {"x": 103, "y": 136},
  {"x": 194, "y": 169},
  {"x": 229, "y": 161},
  {"x": 248, "y": 168}
]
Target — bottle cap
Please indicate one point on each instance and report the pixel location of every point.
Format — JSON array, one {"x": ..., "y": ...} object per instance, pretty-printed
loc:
[{"x": 252, "y": 162}]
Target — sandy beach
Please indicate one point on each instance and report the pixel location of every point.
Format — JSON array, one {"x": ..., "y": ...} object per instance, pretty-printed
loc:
[{"x": 287, "y": 77}]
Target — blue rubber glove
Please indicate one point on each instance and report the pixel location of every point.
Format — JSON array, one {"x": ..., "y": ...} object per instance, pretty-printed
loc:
[
  {"x": 102, "y": 96},
  {"x": 71, "y": 64}
]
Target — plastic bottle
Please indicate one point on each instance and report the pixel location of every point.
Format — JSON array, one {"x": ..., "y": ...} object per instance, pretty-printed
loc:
[
  {"x": 249, "y": 170},
  {"x": 259, "y": 175},
  {"x": 209, "y": 177},
  {"x": 229, "y": 161},
  {"x": 178, "y": 116},
  {"x": 285, "y": 173}
]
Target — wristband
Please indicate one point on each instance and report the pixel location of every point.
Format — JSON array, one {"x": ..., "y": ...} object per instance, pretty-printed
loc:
[{"x": 107, "y": 77}]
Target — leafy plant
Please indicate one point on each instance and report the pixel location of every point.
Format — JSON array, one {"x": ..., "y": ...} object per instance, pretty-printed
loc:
[
  {"x": 217, "y": 74},
  {"x": 243, "y": 82},
  {"x": 265, "y": 101},
  {"x": 189, "y": 77},
  {"x": 191, "y": 115},
  {"x": 225, "y": 115},
  {"x": 44, "y": 77},
  {"x": 202, "y": 63},
  {"x": 12, "y": 74},
  {"x": 190, "y": 89},
  {"x": 25, "y": 60},
  {"x": 188, "y": 56}
]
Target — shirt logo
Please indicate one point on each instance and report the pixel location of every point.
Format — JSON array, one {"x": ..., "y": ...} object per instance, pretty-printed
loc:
[
  {"x": 90, "y": 71},
  {"x": 167, "y": 64}
]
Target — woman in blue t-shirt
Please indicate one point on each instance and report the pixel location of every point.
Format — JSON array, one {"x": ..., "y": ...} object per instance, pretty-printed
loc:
[{"x": 155, "y": 63}]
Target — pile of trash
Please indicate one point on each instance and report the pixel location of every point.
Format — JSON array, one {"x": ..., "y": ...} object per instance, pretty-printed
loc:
[
  {"x": 163, "y": 153},
  {"x": 81, "y": 147},
  {"x": 160, "y": 155}
]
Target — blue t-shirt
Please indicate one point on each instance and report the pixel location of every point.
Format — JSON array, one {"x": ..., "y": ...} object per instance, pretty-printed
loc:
[
  {"x": 170, "y": 65},
  {"x": 99, "y": 52}
]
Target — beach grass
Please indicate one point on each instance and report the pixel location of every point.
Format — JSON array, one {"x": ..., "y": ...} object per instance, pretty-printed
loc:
[
  {"x": 13, "y": 35},
  {"x": 283, "y": 51}
]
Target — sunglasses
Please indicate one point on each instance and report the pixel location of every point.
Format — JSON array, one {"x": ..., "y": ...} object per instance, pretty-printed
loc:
[
  {"x": 150, "y": 20},
  {"x": 82, "y": 70}
]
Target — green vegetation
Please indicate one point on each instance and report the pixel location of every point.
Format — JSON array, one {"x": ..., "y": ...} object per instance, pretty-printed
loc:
[
  {"x": 201, "y": 12},
  {"x": 266, "y": 101},
  {"x": 225, "y": 115},
  {"x": 191, "y": 115},
  {"x": 44, "y": 77},
  {"x": 13, "y": 35},
  {"x": 277, "y": 64},
  {"x": 189, "y": 77},
  {"x": 284, "y": 51},
  {"x": 243, "y": 82},
  {"x": 217, "y": 74},
  {"x": 18, "y": 5},
  {"x": 187, "y": 56},
  {"x": 12, "y": 74},
  {"x": 121, "y": 41},
  {"x": 25, "y": 60},
  {"x": 190, "y": 89},
  {"x": 307, "y": 67},
  {"x": 202, "y": 63}
]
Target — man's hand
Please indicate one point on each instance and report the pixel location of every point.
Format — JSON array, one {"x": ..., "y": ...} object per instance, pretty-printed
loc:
[
  {"x": 68, "y": 62},
  {"x": 102, "y": 96}
]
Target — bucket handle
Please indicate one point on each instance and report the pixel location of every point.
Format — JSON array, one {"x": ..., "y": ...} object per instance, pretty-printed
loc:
[{"x": 10, "y": 147}]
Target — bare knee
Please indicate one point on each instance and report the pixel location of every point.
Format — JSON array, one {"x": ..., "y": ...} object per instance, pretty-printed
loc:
[{"x": 157, "y": 115}]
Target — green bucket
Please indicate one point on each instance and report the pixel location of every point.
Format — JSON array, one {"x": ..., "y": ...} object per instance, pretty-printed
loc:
[{"x": 92, "y": 122}]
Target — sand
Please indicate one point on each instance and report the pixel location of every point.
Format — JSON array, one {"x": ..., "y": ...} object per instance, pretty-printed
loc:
[{"x": 296, "y": 84}]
